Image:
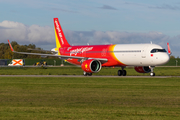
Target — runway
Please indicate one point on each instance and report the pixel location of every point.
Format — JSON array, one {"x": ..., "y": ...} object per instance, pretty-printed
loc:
[{"x": 87, "y": 76}]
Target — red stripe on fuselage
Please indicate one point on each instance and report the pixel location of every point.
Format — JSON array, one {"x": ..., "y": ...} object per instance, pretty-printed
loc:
[{"x": 92, "y": 51}]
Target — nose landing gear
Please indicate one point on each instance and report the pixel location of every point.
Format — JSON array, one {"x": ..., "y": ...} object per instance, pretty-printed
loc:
[
  {"x": 152, "y": 71},
  {"x": 87, "y": 74}
]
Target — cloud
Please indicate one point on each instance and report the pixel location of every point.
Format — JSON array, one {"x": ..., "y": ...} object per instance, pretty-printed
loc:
[
  {"x": 63, "y": 10},
  {"x": 2, "y": 27},
  {"x": 134, "y": 4},
  {"x": 114, "y": 37},
  {"x": 44, "y": 36},
  {"x": 165, "y": 6},
  {"x": 21, "y": 33},
  {"x": 107, "y": 7}
]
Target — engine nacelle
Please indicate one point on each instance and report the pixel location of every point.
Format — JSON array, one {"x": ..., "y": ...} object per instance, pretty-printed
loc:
[
  {"x": 142, "y": 69},
  {"x": 91, "y": 66}
]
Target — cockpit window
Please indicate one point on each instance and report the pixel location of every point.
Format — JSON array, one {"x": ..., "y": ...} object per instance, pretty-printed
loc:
[{"x": 157, "y": 50}]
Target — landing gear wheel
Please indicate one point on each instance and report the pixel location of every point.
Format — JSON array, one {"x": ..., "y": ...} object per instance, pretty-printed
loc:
[
  {"x": 120, "y": 72},
  {"x": 152, "y": 71},
  {"x": 124, "y": 73},
  {"x": 89, "y": 74},
  {"x": 152, "y": 74},
  {"x": 85, "y": 73}
]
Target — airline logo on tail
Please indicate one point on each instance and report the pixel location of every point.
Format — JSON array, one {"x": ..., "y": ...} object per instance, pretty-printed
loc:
[
  {"x": 60, "y": 37},
  {"x": 59, "y": 32}
]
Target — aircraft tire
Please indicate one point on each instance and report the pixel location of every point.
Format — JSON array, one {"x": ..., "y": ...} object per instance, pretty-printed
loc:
[
  {"x": 120, "y": 72},
  {"x": 89, "y": 74},
  {"x": 152, "y": 74},
  {"x": 85, "y": 73},
  {"x": 124, "y": 73}
]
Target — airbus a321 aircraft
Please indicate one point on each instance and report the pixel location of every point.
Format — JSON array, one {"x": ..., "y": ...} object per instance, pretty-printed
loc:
[{"x": 91, "y": 58}]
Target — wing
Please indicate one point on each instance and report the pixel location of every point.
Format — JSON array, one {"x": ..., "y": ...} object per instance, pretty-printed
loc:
[
  {"x": 102, "y": 60},
  {"x": 53, "y": 52}
]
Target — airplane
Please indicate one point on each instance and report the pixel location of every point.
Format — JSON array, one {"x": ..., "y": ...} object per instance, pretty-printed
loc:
[{"x": 91, "y": 58}]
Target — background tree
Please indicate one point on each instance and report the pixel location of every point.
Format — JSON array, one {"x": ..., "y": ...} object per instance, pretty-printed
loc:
[
  {"x": 14, "y": 43},
  {"x": 5, "y": 51},
  {"x": 172, "y": 57}
]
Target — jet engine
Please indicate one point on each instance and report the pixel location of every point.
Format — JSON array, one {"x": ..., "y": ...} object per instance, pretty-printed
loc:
[
  {"x": 142, "y": 69},
  {"x": 91, "y": 66}
]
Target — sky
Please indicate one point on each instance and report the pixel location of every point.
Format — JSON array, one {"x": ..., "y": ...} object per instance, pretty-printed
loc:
[{"x": 92, "y": 22}]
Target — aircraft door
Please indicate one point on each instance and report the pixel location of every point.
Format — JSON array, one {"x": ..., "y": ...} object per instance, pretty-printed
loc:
[
  {"x": 103, "y": 53},
  {"x": 143, "y": 52}
]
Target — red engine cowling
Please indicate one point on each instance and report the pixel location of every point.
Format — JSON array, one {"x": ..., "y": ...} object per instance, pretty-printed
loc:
[
  {"x": 142, "y": 69},
  {"x": 91, "y": 66}
]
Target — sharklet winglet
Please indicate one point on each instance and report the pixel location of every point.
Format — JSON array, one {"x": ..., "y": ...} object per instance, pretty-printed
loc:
[
  {"x": 11, "y": 46},
  {"x": 169, "y": 50}
]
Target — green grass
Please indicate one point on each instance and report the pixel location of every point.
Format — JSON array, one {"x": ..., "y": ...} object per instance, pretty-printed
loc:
[
  {"x": 160, "y": 71},
  {"x": 89, "y": 98}
]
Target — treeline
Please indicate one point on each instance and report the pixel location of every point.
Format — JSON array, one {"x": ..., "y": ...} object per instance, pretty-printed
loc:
[{"x": 5, "y": 51}]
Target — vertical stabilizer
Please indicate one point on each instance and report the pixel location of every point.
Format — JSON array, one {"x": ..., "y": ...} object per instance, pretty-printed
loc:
[{"x": 59, "y": 35}]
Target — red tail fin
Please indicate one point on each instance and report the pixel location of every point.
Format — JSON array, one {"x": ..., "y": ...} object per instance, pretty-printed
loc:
[{"x": 60, "y": 37}]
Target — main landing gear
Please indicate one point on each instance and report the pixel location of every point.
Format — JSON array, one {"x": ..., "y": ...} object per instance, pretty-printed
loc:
[
  {"x": 122, "y": 72},
  {"x": 152, "y": 71},
  {"x": 87, "y": 74}
]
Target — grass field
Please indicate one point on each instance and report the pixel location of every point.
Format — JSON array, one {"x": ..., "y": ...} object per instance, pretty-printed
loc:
[
  {"x": 160, "y": 71},
  {"x": 89, "y": 98}
]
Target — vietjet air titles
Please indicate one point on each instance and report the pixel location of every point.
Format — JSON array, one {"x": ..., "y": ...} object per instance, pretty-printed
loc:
[{"x": 144, "y": 57}]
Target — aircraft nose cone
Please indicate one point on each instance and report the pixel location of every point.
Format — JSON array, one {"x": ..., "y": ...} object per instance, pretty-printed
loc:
[{"x": 165, "y": 59}]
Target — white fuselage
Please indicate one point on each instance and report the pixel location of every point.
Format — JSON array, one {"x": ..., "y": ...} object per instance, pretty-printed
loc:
[{"x": 140, "y": 54}]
